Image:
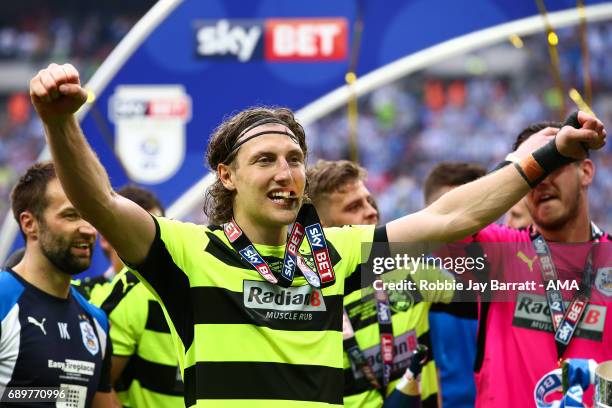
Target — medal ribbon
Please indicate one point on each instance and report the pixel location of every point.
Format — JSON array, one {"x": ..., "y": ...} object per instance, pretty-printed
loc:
[
  {"x": 565, "y": 322},
  {"x": 315, "y": 236}
]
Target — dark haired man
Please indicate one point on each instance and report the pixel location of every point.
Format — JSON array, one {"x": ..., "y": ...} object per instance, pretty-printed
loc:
[
  {"x": 337, "y": 190},
  {"x": 250, "y": 329},
  {"x": 50, "y": 335},
  {"x": 522, "y": 336}
]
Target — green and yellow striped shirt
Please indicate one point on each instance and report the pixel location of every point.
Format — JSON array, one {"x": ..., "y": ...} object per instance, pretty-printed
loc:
[
  {"x": 139, "y": 331},
  {"x": 240, "y": 340}
]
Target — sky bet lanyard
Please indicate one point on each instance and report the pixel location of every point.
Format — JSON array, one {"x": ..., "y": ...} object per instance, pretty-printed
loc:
[
  {"x": 564, "y": 321},
  {"x": 313, "y": 232},
  {"x": 385, "y": 328}
]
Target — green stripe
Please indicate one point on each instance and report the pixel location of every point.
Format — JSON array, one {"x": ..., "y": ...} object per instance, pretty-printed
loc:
[{"x": 252, "y": 343}]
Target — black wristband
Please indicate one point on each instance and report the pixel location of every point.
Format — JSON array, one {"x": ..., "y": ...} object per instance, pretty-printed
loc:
[
  {"x": 538, "y": 165},
  {"x": 500, "y": 165},
  {"x": 549, "y": 158}
]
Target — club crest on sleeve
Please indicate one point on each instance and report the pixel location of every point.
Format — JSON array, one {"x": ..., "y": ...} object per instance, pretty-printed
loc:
[
  {"x": 90, "y": 341},
  {"x": 603, "y": 281}
]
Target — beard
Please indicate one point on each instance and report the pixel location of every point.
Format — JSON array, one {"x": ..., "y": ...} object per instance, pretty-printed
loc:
[
  {"x": 559, "y": 221},
  {"x": 57, "y": 249}
]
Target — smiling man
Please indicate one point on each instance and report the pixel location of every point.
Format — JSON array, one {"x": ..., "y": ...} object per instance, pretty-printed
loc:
[
  {"x": 283, "y": 348},
  {"x": 336, "y": 188},
  {"x": 50, "y": 336}
]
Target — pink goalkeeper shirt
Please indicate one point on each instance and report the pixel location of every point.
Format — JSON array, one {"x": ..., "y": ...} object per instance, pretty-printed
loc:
[{"x": 519, "y": 346}]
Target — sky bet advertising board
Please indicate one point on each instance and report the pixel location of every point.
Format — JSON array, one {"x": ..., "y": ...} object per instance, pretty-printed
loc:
[{"x": 188, "y": 64}]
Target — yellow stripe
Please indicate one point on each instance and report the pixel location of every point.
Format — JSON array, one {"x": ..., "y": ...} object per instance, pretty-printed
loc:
[
  {"x": 429, "y": 379},
  {"x": 137, "y": 396},
  {"x": 157, "y": 348},
  {"x": 244, "y": 342}
]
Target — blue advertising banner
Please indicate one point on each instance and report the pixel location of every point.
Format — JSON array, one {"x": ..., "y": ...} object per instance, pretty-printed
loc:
[{"x": 188, "y": 64}]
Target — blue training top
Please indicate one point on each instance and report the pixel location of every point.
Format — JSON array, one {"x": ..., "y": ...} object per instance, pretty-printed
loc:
[{"x": 46, "y": 341}]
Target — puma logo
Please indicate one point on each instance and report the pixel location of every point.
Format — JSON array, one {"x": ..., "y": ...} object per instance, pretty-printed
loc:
[
  {"x": 39, "y": 324},
  {"x": 126, "y": 283},
  {"x": 526, "y": 259}
]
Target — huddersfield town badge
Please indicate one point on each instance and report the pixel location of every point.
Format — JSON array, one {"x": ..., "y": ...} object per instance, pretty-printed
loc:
[
  {"x": 89, "y": 338},
  {"x": 603, "y": 281}
]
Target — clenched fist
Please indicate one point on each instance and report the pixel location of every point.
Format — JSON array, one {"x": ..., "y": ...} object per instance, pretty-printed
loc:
[
  {"x": 570, "y": 142},
  {"x": 56, "y": 93}
]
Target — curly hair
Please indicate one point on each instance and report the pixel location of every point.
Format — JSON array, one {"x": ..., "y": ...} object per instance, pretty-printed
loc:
[{"x": 218, "y": 202}]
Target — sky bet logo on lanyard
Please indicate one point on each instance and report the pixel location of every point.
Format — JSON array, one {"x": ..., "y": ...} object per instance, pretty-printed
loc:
[
  {"x": 293, "y": 244},
  {"x": 324, "y": 276},
  {"x": 320, "y": 254},
  {"x": 250, "y": 254}
]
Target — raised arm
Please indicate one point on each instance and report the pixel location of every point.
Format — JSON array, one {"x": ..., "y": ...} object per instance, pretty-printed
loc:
[
  {"x": 57, "y": 94},
  {"x": 468, "y": 208}
]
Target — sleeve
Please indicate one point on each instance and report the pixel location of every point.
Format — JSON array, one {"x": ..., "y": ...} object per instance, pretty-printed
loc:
[
  {"x": 104, "y": 385},
  {"x": 164, "y": 272},
  {"x": 162, "y": 269},
  {"x": 353, "y": 245},
  {"x": 128, "y": 320}
]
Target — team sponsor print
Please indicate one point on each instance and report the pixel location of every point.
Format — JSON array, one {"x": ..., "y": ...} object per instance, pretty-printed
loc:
[
  {"x": 403, "y": 347},
  {"x": 90, "y": 341},
  {"x": 262, "y": 295},
  {"x": 603, "y": 280},
  {"x": 316, "y": 239},
  {"x": 384, "y": 312},
  {"x": 287, "y": 39},
  {"x": 252, "y": 256},
  {"x": 532, "y": 312},
  {"x": 40, "y": 324},
  {"x": 70, "y": 366},
  {"x": 232, "y": 231}
]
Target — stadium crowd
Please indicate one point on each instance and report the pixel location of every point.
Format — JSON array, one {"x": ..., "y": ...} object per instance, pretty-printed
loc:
[
  {"x": 246, "y": 311},
  {"x": 32, "y": 33},
  {"x": 423, "y": 119}
]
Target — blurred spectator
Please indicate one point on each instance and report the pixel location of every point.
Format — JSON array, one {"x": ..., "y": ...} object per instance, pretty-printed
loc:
[
  {"x": 433, "y": 116},
  {"x": 518, "y": 216},
  {"x": 31, "y": 31}
]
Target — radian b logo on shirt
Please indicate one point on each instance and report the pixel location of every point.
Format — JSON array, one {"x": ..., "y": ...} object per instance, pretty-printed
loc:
[
  {"x": 532, "y": 312},
  {"x": 262, "y": 295}
]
